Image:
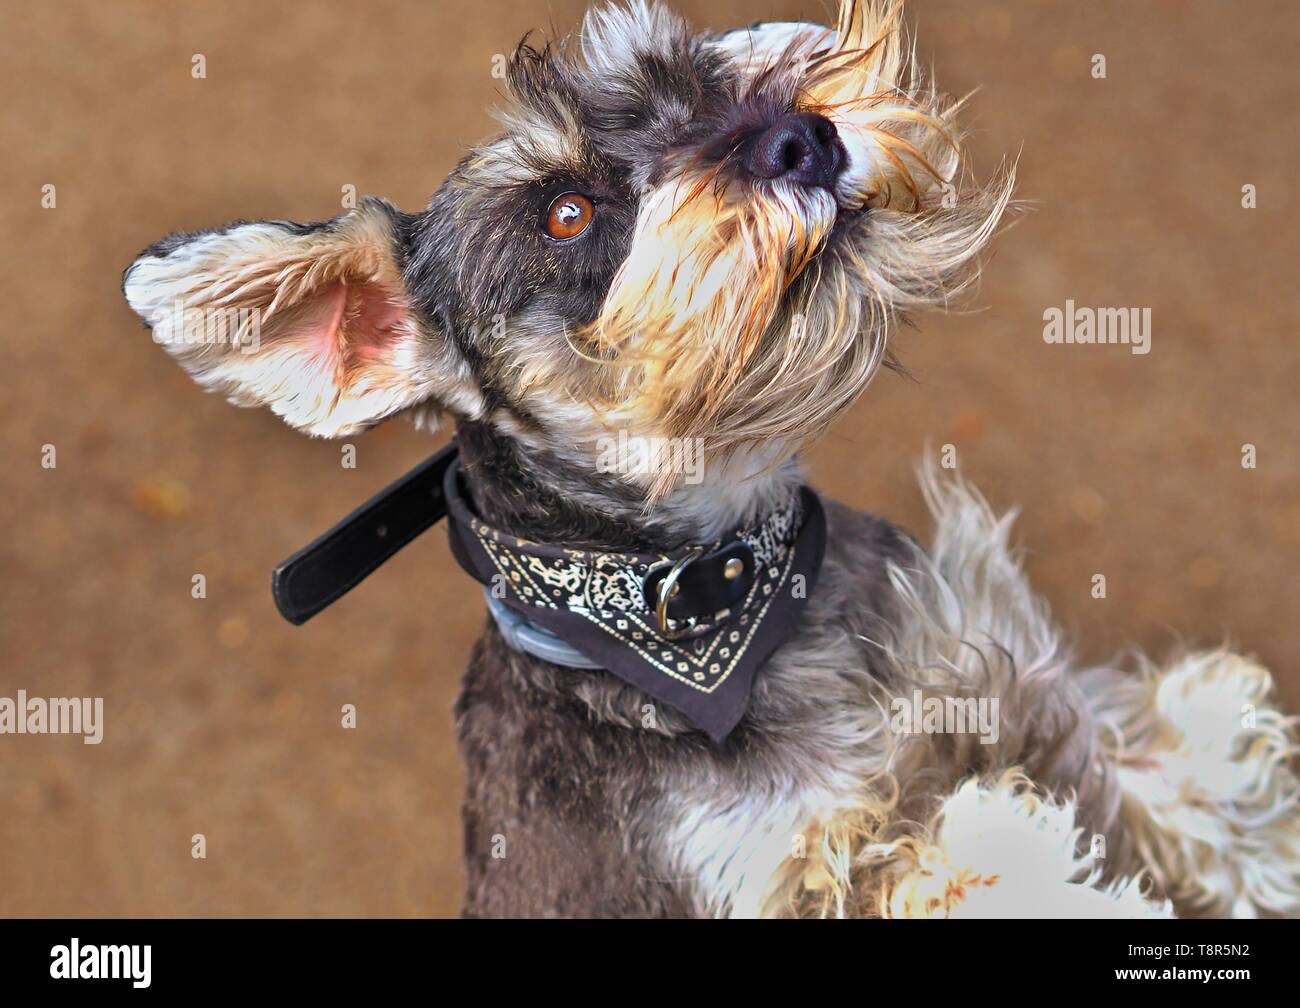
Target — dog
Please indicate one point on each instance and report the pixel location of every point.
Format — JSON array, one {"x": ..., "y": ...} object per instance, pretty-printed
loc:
[{"x": 701, "y": 690}]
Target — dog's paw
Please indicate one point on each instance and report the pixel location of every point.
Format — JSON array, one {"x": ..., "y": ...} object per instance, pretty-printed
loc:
[
  {"x": 1209, "y": 797},
  {"x": 1003, "y": 851}
]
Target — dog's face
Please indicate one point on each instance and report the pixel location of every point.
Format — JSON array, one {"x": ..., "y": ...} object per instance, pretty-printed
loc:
[{"x": 705, "y": 236}]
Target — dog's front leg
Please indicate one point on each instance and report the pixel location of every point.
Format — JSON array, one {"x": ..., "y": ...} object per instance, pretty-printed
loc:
[
  {"x": 1180, "y": 775},
  {"x": 1209, "y": 801},
  {"x": 552, "y": 799},
  {"x": 1000, "y": 849}
]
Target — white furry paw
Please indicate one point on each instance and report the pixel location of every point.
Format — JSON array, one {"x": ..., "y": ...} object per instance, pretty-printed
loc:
[
  {"x": 1002, "y": 851},
  {"x": 1209, "y": 795}
]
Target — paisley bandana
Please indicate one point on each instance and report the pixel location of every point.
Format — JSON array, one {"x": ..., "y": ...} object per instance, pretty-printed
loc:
[{"x": 703, "y": 657}]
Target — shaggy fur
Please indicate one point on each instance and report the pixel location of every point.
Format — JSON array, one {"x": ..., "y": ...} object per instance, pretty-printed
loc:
[{"x": 744, "y": 313}]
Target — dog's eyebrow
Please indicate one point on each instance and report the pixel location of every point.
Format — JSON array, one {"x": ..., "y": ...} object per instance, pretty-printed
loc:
[
  {"x": 531, "y": 150},
  {"x": 543, "y": 125},
  {"x": 606, "y": 101}
]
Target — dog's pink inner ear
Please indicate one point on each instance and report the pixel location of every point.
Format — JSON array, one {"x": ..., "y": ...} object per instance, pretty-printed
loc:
[
  {"x": 321, "y": 324},
  {"x": 350, "y": 326}
]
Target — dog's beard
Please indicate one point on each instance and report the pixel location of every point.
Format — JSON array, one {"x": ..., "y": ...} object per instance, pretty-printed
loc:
[
  {"x": 755, "y": 314},
  {"x": 692, "y": 311}
]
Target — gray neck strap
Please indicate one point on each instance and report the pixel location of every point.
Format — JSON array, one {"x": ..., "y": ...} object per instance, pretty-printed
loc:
[{"x": 523, "y": 636}]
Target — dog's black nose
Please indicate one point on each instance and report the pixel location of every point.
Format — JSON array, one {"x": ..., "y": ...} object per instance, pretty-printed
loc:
[{"x": 802, "y": 147}]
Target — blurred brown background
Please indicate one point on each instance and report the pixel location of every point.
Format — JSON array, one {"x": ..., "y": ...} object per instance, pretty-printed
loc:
[{"x": 222, "y": 719}]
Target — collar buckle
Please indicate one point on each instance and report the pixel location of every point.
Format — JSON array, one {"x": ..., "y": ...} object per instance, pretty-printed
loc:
[{"x": 673, "y": 629}]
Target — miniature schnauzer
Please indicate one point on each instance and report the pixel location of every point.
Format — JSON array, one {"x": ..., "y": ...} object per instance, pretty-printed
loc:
[{"x": 701, "y": 691}]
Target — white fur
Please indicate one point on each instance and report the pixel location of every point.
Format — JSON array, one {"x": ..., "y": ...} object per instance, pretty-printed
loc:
[
  {"x": 1000, "y": 851},
  {"x": 614, "y": 35},
  {"x": 1204, "y": 766}
]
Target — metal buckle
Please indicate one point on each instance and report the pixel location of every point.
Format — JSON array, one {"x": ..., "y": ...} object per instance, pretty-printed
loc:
[{"x": 667, "y": 588}]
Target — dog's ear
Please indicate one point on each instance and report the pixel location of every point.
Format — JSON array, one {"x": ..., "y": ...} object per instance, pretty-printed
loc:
[{"x": 314, "y": 321}]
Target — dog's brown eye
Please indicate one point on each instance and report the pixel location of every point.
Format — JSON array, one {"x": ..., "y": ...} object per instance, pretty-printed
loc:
[{"x": 569, "y": 216}]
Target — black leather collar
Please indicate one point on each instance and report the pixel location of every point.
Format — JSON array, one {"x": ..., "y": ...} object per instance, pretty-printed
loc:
[
  {"x": 331, "y": 565},
  {"x": 690, "y": 627}
]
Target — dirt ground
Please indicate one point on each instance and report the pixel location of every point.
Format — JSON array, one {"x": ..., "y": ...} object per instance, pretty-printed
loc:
[{"x": 222, "y": 719}]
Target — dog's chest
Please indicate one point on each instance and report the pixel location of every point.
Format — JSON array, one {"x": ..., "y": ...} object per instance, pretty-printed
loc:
[
  {"x": 565, "y": 817},
  {"x": 728, "y": 840},
  {"x": 598, "y": 816},
  {"x": 729, "y": 827}
]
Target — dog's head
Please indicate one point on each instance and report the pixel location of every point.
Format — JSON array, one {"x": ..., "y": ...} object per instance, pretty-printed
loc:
[{"x": 676, "y": 235}]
